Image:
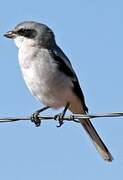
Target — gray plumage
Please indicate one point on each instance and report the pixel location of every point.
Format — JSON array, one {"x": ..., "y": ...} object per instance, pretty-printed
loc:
[{"x": 49, "y": 75}]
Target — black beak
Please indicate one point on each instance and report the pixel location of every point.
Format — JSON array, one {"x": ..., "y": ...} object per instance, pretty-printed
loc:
[{"x": 10, "y": 34}]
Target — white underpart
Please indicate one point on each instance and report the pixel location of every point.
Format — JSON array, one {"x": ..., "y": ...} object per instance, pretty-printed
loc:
[{"x": 43, "y": 78}]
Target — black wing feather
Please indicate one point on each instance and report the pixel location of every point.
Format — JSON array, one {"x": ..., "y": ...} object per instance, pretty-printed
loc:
[
  {"x": 77, "y": 90},
  {"x": 63, "y": 67}
]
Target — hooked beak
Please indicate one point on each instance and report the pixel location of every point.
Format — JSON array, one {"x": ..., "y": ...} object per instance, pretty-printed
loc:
[{"x": 10, "y": 34}]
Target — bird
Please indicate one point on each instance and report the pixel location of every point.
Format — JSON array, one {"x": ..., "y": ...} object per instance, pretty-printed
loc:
[{"x": 50, "y": 77}]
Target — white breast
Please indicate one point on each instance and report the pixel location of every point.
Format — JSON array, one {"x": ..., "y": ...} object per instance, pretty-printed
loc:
[{"x": 43, "y": 78}]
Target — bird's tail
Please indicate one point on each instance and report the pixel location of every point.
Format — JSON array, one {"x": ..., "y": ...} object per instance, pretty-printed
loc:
[{"x": 100, "y": 146}]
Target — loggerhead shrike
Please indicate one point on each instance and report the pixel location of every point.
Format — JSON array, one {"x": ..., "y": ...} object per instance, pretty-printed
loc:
[{"x": 49, "y": 75}]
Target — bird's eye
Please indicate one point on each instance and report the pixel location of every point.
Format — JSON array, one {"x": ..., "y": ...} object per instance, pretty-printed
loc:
[
  {"x": 29, "y": 33},
  {"x": 21, "y": 32}
]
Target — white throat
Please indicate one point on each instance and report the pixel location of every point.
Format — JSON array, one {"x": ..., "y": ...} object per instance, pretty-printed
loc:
[{"x": 23, "y": 41}]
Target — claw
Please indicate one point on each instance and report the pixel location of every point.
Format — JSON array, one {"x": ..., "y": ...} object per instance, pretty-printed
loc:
[
  {"x": 59, "y": 118},
  {"x": 35, "y": 119},
  {"x": 35, "y": 116}
]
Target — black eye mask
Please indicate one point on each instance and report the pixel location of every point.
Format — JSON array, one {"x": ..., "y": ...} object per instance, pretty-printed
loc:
[{"x": 29, "y": 33}]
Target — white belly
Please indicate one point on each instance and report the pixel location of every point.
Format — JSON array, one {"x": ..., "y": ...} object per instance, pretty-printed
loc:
[{"x": 44, "y": 80}]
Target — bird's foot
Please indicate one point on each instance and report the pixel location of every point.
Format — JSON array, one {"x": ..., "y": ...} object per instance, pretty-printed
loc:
[
  {"x": 59, "y": 117},
  {"x": 35, "y": 116},
  {"x": 35, "y": 119}
]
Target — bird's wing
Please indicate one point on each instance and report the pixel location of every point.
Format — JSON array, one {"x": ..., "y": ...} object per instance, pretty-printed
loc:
[{"x": 65, "y": 66}]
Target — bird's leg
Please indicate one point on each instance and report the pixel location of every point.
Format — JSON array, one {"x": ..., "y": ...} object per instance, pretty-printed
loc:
[
  {"x": 35, "y": 116},
  {"x": 59, "y": 117}
]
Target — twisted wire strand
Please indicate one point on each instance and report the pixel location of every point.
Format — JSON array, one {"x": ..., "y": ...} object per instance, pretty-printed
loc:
[{"x": 72, "y": 117}]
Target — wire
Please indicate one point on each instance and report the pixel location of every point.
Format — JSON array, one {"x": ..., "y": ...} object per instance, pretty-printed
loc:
[{"x": 73, "y": 117}]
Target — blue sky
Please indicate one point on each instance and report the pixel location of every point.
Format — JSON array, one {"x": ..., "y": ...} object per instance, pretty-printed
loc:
[{"x": 91, "y": 34}]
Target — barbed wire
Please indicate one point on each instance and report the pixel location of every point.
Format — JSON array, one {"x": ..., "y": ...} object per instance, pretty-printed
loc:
[{"x": 73, "y": 117}]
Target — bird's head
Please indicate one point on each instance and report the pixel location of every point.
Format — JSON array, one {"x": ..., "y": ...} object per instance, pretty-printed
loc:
[{"x": 32, "y": 33}]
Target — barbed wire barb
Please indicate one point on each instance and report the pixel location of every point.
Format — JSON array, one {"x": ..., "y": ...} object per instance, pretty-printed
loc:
[{"x": 72, "y": 117}]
